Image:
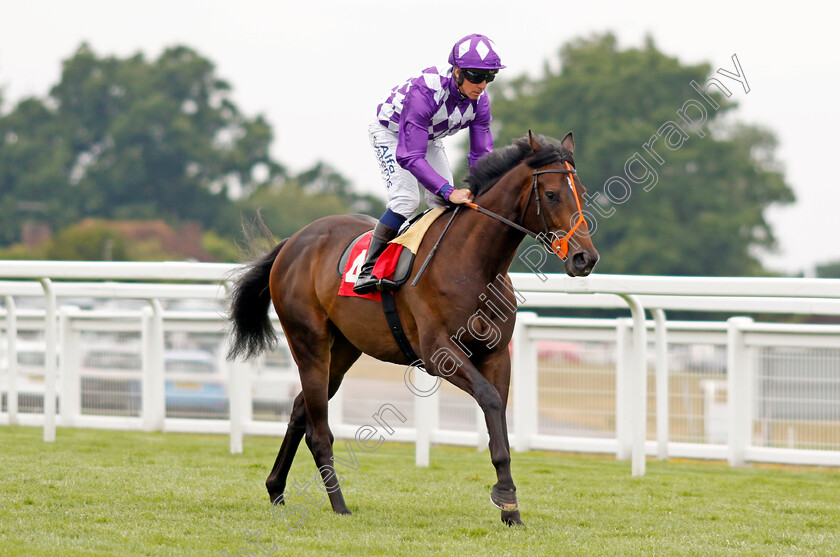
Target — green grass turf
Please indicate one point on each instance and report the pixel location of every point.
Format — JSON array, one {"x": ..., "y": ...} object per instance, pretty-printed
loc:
[{"x": 125, "y": 493}]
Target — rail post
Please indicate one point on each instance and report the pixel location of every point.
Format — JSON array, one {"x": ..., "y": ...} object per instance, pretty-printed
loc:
[
  {"x": 623, "y": 390},
  {"x": 525, "y": 382},
  {"x": 662, "y": 390},
  {"x": 11, "y": 352},
  {"x": 70, "y": 392},
  {"x": 50, "y": 361},
  {"x": 739, "y": 399}
]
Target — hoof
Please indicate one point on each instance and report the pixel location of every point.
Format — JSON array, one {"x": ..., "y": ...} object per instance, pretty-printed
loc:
[
  {"x": 276, "y": 499},
  {"x": 511, "y": 518},
  {"x": 504, "y": 499}
]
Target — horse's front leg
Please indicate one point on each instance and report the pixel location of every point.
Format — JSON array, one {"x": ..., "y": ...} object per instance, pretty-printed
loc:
[
  {"x": 459, "y": 371},
  {"x": 503, "y": 494},
  {"x": 496, "y": 369}
]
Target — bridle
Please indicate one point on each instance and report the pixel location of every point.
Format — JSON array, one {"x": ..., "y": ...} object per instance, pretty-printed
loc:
[{"x": 550, "y": 240}]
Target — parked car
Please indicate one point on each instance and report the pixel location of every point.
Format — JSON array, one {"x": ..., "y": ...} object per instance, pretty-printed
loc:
[
  {"x": 31, "y": 359},
  {"x": 110, "y": 376},
  {"x": 216, "y": 307},
  {"x": 275, "y": 381},
  {"x": 195, "y": 384},
  {"x": 111, "y": 382},
  {"x": 559, "y": 350}
]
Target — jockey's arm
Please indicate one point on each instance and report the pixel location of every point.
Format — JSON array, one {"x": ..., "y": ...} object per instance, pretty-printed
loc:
[
  {"x": 413, "y": 142},
  {"x": 481, "y": 140}
]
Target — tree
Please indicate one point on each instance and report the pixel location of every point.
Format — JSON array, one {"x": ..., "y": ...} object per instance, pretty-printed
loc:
[
  {"x": 323, "y": 179},
  {"x": 829, "y": 270},
  {"x": 88, "y": 243},
  {"x": 287, "y": 208},
  {"x": 697, "y": 209},
  {"x": 35, "y": 158},
  {"x": 131, "y": 138},
  {"x": 320, "y": 191}
]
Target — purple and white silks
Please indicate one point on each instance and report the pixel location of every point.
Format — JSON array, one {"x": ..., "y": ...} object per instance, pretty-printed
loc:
[{"x": 426, "y": 108}]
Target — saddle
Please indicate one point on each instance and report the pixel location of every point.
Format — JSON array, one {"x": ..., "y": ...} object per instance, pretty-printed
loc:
[{"x": 393, "y": 267}]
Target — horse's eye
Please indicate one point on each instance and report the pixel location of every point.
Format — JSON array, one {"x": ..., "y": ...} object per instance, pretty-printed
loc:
[{"x": 550, "y": 195}]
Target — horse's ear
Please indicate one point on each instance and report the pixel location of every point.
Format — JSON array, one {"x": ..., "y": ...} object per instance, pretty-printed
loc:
[
  {"x": 568, "y": 143},
  {"x": 535, "y": 146}
]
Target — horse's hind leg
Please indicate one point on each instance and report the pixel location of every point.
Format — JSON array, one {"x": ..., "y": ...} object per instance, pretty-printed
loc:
[
  {"x": 314, "y": 343},
  {"x": 342, "y": 356},
  {"x": 276, "y": 482}
]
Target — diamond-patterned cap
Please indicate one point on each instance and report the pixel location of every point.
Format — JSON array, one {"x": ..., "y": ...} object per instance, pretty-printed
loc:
[{"x": 475, "y": 51}]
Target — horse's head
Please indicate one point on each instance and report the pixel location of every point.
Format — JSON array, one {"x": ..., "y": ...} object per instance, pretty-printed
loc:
[
  {"x": 552, "y": 204},
  {"x": 540, "y": 194}
]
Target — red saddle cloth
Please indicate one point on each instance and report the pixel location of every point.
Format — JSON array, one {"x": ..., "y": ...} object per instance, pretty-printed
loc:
[{"x": 384, "y": 267}]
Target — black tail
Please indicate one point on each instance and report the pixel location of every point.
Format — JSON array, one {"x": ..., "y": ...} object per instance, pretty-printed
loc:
[{"x": 249, "y": 303}]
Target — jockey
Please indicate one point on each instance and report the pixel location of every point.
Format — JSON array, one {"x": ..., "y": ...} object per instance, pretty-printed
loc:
[{"x": 406, "y": 138}]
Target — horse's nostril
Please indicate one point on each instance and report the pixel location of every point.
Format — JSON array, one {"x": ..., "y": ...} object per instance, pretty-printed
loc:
[{"x": 580, "y": 260}]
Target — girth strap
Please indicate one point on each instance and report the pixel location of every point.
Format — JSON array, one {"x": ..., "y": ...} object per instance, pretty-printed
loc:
[{"x": 389, "y": 306}]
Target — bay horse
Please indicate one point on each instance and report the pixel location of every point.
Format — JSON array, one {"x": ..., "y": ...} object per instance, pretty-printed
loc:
[{"x": 528, "y": 187}]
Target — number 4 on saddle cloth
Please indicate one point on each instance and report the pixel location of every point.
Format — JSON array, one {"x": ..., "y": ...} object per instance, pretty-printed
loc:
[{"x": 393, "y": 266}]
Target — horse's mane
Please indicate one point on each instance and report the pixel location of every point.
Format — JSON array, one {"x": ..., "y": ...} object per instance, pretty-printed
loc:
[{"x": 493, "y": 166}]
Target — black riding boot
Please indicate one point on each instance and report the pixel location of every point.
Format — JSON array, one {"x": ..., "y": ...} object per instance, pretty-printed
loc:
[{"x": 366, "y": 282}]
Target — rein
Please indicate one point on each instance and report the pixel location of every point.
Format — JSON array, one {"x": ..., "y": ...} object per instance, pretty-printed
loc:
[{"x": 559, "y": 246}]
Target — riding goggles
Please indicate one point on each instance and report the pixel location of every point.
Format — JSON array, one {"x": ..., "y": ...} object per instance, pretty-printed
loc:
[{"x": 477, "y": 76}]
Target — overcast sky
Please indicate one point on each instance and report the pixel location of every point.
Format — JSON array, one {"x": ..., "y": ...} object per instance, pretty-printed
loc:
[{"x": 317, "y": 69}]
